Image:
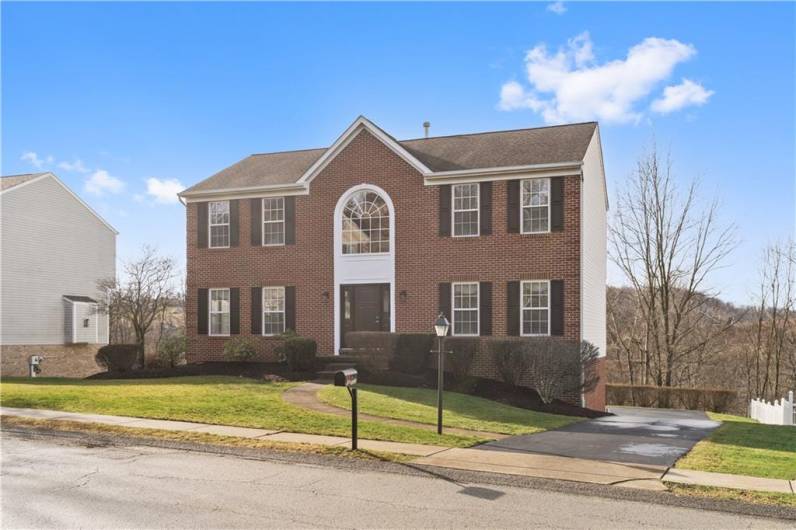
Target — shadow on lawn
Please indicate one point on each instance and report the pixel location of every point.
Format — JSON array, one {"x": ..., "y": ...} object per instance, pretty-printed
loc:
[
  {"x": 755, "y": 436},
  {"x": 184, "y": 380}
]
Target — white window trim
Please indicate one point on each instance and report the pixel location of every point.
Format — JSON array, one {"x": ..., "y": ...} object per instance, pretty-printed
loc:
[
  {"x": 390, "y": 241},
  {"x": 477, "y": 309},
  {"x": 477, "y": 210},
  {"x": 211, "y": 224},
  {"x": 210, "y": 311},
  {"x": 522, "y": 208},
  {"x": 522, "y": 308},
  {"x": 262, "y": 313},
  {"x": 262, "y": 228}
]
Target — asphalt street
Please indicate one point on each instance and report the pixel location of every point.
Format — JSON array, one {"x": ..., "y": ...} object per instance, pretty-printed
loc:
[{"x": 58, "y": 483}]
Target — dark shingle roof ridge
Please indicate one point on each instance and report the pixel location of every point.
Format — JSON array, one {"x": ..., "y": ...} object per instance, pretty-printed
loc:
[
  {"x": 286, "y": 151},
  {"x": 522, "y": 129}
]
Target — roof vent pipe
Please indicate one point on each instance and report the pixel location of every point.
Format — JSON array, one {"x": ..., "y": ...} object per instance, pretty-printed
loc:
[{"x": 426, "y": 126}]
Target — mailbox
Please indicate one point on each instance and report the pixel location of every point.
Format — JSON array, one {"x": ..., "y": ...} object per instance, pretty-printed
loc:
[{"x": 347, "y": 377}]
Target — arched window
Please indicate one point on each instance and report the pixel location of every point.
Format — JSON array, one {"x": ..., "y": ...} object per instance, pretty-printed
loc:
[{"x": 366, "y": 224}]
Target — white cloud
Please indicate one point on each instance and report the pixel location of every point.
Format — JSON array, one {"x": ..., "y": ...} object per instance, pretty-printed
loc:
[
  {"x": 557, "y": 7},
  {"x": 101, "y": 182},
  {"x": 676, "y": 97},
  {"x": 163, "y": 191},
  {"x": 569, "y": 85},
  {"x": 76, "y": 165},
  {"x": 33, "y": 159}
]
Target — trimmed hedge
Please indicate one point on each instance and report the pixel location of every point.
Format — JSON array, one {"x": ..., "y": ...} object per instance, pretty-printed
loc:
[
  {"x": 239, "y": 349},
  {"x": 460, "y": 359},
  {"x": 712, "y": 399},
  {"x": 118, "y": 357},
  {"x": 300, "y": 353},
  {"x": 412, "y": 351},
  {"x": 375, "y": 348}
]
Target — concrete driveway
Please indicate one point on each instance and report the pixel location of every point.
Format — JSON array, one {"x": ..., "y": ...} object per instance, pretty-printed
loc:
[{"x": 655, "y": 437}]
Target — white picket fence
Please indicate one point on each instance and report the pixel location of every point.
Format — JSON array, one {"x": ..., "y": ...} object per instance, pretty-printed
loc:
[{"x": 777, "y": 413}]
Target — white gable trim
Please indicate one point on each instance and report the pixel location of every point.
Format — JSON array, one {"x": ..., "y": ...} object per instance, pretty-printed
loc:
[
  {"x": 359, "y": 125},
  {"x": 72, "y": 193}
]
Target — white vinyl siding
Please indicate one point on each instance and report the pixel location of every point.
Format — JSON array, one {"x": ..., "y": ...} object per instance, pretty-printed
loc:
[
  {"x": 535, "y": 308},
  {"x": 535, "y": 211},
  {"x": 218, "y": 224},
  {"x": 274, "y": 221},
  {"x": 52, "y": 246},
  {"x": 465, "y": 211},
  {"x": 273, "y": 310},
  {"x": 465, "y": 308},
  {"x": 219, "y": 311}
]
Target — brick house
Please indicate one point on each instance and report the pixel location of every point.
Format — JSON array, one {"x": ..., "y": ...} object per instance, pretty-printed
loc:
[{"x": 504, "y": 232}]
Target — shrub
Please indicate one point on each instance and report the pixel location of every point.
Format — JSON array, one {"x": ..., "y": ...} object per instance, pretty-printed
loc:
[
  {"x": 376, "y": 348},
  {"x": 300, "y": 353},
  {"x": 459, "y": 359},
  {"x": 239, "y": 349},
  {"x": 561, "y": 368},
  {"x": 511, "y": 360},
  {"x": 171, "y": 351},
  {"x": 118, "y": 357},
  {"x": 412, "y": 351}
]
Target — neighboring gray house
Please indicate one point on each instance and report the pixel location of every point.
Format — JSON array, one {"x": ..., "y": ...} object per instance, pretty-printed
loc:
[{"x": 54, "y": 249}]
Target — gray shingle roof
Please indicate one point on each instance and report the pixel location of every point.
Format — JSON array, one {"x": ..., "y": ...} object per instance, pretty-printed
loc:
[
  {"x": 79, "y": 298},
  {"x": 15, "y": 180},
  {"x": 522, "y": 147}
]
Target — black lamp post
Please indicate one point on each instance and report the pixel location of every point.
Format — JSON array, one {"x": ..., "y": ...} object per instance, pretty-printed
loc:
[{"x": 441, "y": 329}]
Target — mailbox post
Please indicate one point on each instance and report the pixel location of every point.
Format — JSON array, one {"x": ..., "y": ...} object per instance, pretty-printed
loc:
[{"x": 348, "y": 379}]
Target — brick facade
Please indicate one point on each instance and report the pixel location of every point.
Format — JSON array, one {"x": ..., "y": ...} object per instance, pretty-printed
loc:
[{"x": 423, "y": 259}]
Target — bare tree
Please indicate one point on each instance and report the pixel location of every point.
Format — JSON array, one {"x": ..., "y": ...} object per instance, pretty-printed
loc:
[
  {"x": 143, "y": 295},
  {"x": 666, "y": 246},
  {"x": 770, "y": 346}
]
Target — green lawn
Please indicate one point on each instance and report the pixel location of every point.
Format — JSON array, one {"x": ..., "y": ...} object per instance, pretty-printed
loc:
[
  {"x": 461, "y": 410},
  {"x": 219, "y": 400},
  {"x": 742, "y": 446}
]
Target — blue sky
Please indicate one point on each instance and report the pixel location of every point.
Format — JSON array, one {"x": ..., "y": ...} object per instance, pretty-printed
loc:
[{"x": 110, "y": 96}]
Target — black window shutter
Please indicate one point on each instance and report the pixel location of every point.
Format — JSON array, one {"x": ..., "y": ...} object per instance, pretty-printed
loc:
[
  {"x": 256, "y": 210},
  {"x": 557, "y": 307},
  {"x": 513, "y": 207},
  {"x": 201, "y": 224},
  {"x": 290, "y": 220},
  {"x": 485, "y": 309},
  {"x": 445, "y": 210},
  {"x": 513, "y": 308},
  {"x": 234, "y": 311},
  {"x": 290, "y": 308},
  {"x": 445, "y": 300},
  {"x": 557, "y": 204},
  {"x": 486, "y": 208},
  {"x": 234, "y": 223},
  {"x": 257, "y": 311},
  {"x": 202, "y": 311}
]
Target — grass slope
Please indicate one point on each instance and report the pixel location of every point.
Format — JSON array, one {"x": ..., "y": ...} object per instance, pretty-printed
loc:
[
  {"x": 216, "y": 399},
  {"x": 742, "y": 446},
  {"x": 461, "y": 410}
]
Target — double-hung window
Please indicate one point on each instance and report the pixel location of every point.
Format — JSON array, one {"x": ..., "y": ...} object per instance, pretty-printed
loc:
[
  {"x": 465, "y": 308},
  {"x": 218, "y": 221},
  {"x": 465, "y": 209},
  {"x": 274, "y": 221},
  {"x": 535, "y": 206},
  {"x": 535, "y": 312},
  {"x": 273, "y": 310},
  {"x": 219, "y": 311}
]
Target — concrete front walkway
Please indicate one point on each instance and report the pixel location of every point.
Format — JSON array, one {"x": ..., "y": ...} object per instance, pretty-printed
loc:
[
  {"x": 305, "y": 395},
  {"x": 483, "y": 458}
]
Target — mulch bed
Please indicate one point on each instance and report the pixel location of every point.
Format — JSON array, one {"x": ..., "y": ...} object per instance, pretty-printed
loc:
[
  {"x": 520, "y": 397},
  {"x": 269, "y": 371}
]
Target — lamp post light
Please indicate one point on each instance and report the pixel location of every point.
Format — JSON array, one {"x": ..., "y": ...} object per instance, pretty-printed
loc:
[{"x": 441, "y": 329}]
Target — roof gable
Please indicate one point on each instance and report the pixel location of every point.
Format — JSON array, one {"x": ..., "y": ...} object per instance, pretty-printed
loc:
[
  {"x": 36, "y": 177},
  {"x": 359, "y": 125}
]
